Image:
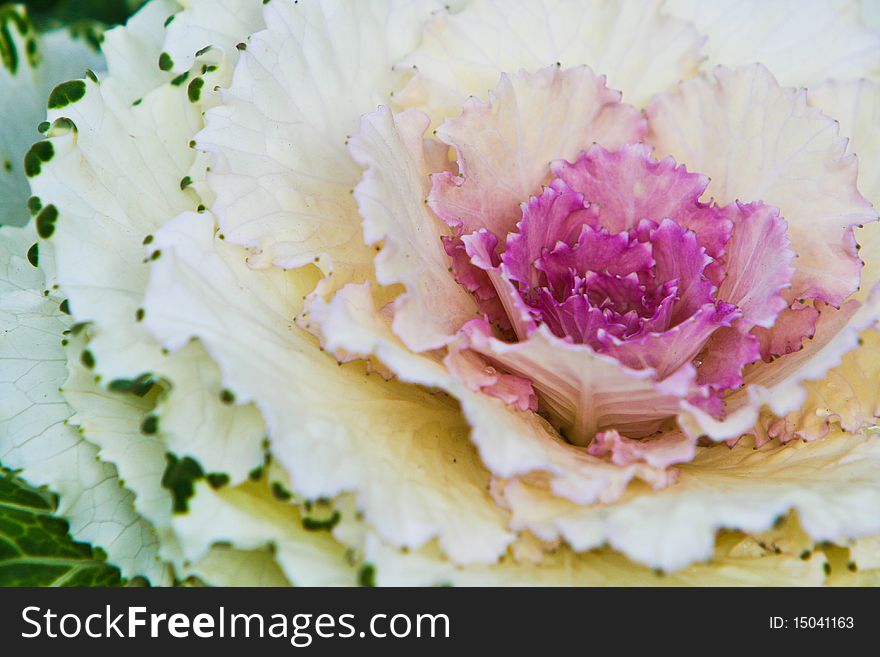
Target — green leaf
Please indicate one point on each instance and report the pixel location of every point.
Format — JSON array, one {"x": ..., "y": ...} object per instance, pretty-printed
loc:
[
  {"x": 49, "y": 13},
  {"x": 35, "y": 546}
]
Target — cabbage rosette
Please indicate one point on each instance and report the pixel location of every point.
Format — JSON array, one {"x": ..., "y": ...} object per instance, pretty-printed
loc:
[{"x": 536, "y": 292}]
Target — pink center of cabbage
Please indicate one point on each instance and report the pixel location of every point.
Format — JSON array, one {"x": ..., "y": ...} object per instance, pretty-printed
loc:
[
  {"x": 592, "y": 286},
  {"x": 618, "y": 254},
  {"x": 600, "y": 274}
]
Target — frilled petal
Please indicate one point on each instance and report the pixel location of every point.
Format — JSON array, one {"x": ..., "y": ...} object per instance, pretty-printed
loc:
[
  {"x": 802, "y": 41},
  {"x": 642, "y": 50},
  {"x": 618, "y": 254},
  {"x": 115, "y": 170},
  {"x": 669, "y": 448},
  {"x": 476, "y": 280},
  {"x": 738, "y": 560},
  {"x": 511, "y": 443},
  {"x": 504, "y": 145},
  {"x": 856, "y": 105},
  {"x": 668, "y": 351},
  {"x": 727, "y": 352},
  {"x": 758, "y": 265},
  {"x": 97, "y": 231},
  {"x": 833, "y": 485},
  {"x": 793, "y": 325},
  {"x": 251, "y": 517},
  {"x": 116, "y": 161},
  {"x": 780, "y": 385},
  {"x": 191, "y": 512},
  {"x": 132, "y": 51},
  {"x": 471, "y": 369},
  {"x": 369, "y": 442},
  {"x": 132, "y": 432},
  {"x": 282, "y": 175},
  {"x": 34, "y": 434},
  {"x": 113, "y": 422},
  {"x": 481, "y": 248},
  {"x": 847, "y": 397},
  {"x": 583, "y": 391},
  {"x": 184, "y": 410},
  {"x": 200, "y": 418},
  {"x": 575, "y": 318},
  {"x": 31, "y": 67},
  {"x": 195, "y": 416},
  {"x": 554, "y": 216},
  {"x": 629, "y": 185},
  {"x": 757, "y": 140},
  {"x": 208, "y": 25},
  {"x": 678, "y": 256},
  {"x": 391, "y": 198}
]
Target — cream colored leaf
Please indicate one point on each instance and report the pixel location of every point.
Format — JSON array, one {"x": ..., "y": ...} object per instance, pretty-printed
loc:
[
  {"x": 802, "y": 42},
  {"x": 642, "y": 50},
  {"x": 34, "y": 432},
  {"x": 832, "y": 483},
  {"x": 334, "y": 428}
]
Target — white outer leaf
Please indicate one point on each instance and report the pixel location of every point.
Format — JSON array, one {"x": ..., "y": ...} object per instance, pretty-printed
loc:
[{"x": 34, "y": 434}]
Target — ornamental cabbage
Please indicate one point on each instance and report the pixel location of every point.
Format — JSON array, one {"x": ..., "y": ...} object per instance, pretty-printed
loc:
[{"x": 539, "y": 292}]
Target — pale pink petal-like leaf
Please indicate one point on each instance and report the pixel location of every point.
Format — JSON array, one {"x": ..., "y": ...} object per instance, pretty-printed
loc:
[
  {"x": 583, "y": 391},
  {"x": 643, "y": 188},
  {"x": 780, "y": 385},
  {"x": 757, "y": 264},
  {"x": 759, "y": 141},
  {"x": 669, "y": 448},
  {"x": 504, "y": 145},
  {"x": 391, "y": 198}
]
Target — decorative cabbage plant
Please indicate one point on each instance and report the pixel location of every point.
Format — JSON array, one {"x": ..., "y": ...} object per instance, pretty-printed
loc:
[{"x": 556, "y": 292}]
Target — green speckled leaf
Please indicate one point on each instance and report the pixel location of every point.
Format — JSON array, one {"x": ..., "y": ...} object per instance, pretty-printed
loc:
[{"x": 35, "y": 546}]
